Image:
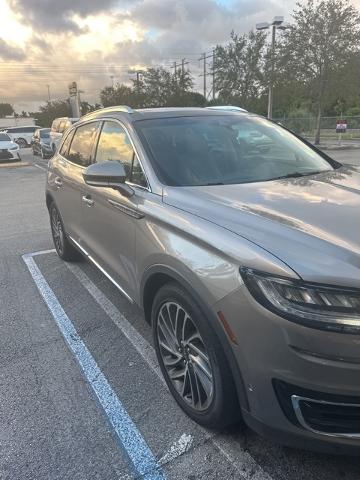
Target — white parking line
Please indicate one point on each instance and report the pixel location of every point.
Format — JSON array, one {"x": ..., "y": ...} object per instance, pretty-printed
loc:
[
  {"x": 39, "y": 166},
  {"x": 141, "y": 457},
  {"x": 241, "y": 460}
]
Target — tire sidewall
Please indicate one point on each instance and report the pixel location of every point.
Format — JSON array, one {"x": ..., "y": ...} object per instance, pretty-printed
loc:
[{"x": 212, "y": 416}]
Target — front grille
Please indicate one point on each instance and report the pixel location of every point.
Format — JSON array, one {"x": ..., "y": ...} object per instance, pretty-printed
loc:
[
  {"x": 325, "y": 413},
  {"x": 5, "y": 155}
]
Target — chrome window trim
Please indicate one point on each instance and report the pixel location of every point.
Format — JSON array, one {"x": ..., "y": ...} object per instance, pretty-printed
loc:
[{"x": 296, "y": 399}]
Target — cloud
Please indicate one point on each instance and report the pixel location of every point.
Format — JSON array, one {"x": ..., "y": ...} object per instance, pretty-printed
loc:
[
  {"x": 67, "y": 40},
  {"x": 7, "y": 52},
  {"x": 57, "y": 16}
]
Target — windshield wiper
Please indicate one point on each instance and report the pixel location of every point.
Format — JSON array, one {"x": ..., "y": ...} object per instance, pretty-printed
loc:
[{"x": 296, "y": 175}]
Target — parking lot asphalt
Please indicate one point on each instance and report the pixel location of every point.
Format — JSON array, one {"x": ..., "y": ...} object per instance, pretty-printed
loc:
[{"x": 54, "y": 422}]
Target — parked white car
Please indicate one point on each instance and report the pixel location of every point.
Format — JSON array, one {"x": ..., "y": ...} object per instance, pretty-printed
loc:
[
  {"x": 9, "y": 150},
  {"x": 22, "y": 135},
  {"x": 58, "y": 127}
]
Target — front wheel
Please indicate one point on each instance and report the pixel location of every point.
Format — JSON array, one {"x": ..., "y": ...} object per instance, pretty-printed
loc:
[
  {"x": 192, "y": 359},
  {"x": 21, "y": 142},
  {"x": 64, "y": 248}
]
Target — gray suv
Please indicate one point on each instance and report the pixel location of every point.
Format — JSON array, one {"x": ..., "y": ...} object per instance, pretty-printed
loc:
[{"x": 245, "y": 260}]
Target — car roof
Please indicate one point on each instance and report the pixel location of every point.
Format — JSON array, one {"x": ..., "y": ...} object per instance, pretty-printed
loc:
[
  {"x": 22, "y": 126},
  {"x": 152, "y": 113}
]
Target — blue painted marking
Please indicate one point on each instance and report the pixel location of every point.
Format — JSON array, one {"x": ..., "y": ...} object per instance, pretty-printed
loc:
[{"x": 130, "y": 438}]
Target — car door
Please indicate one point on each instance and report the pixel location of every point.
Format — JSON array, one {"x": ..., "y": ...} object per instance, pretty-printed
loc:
[
  {"x": 75, "y": 154},
  {"x": 110, "y": 218}
]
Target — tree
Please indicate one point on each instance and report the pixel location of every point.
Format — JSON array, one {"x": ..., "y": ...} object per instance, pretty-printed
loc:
[
  {"x": 156, "y": 87},
  {"x": 239, "y": 69},
  {"x": 47, "y": 113},
  {"x": 321, "y": 41},
  {"x": 6, "y": 109}
]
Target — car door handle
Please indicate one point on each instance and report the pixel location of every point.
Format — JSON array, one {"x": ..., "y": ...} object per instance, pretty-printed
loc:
[
  {"x": 58, "y": 182},
  {"x": 88, "y": 200}
]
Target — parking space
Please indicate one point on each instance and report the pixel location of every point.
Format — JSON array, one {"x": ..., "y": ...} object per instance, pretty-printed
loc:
[{"x": 81, "y": 393}]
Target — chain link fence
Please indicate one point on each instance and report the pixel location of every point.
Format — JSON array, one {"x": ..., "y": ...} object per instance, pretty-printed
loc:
[{"x": 306, "y": 126}]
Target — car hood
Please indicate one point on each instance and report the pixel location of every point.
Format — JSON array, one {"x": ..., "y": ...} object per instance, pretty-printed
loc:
[
  {"x": 5, "y": 145},
  {"x": 311, "y": 223}
]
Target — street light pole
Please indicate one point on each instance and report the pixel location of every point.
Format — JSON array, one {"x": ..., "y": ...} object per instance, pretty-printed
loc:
[
  {"x": 277, "y": 23},
  {"x": 271, "y": 85}
]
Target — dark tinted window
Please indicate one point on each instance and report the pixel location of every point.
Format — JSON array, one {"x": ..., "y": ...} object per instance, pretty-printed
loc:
[
  {"x": 14, "y": 130},
  {"x": 44, "y": 134},
  {"x": 4, "y": 137},
  {"x": 28, "y": 129},
  {"x": 82, "y": 144},
  {"x": 114, "y": 144}
]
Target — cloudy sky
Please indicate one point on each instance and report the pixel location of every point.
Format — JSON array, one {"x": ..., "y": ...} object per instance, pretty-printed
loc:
[{"x": 49, "y": 42}]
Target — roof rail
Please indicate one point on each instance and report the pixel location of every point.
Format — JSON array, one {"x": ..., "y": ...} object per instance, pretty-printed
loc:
[{"x": 115, "y": 108}]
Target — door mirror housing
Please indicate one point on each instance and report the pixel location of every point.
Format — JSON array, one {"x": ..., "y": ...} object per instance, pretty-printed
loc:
[{"x": 109, "y": 174}]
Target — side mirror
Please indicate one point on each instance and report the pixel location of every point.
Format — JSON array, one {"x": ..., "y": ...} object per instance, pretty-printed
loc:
[{"x": 108, "y": 174}]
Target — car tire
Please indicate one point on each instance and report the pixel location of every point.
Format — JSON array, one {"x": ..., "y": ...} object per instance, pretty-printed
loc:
[
  {"x": 63, "y": 247},
  {"x": 192, "y": 359},
  {"x": 21, "y": 142}
]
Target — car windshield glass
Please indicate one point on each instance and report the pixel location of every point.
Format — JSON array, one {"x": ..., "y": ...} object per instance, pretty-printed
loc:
[
  {"x": 44, "y": 135},
  {"x": 229, "y": 149},
  {"x": 4, "y": 137}
]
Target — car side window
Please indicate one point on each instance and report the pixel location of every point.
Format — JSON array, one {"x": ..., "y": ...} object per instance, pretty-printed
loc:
[
  {"x": 66, "y": 143},
  {"x": 62, "y": 126},
  {"x": 115, "y": 144},
  {"x": 81, "y": 147}
]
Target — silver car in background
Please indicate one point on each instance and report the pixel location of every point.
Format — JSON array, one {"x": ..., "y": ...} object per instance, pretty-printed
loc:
[
  {"x": 245, "y": 260},
  {"x": 58, "y": 127},
  {"x": 9, "y": 150}
]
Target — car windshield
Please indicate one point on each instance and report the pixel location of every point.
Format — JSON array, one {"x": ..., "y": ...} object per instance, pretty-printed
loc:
[
  {"x": 44, "y": 135},
  {"x": 4, "y": 137},
  {"x": 229, "y": 149}
]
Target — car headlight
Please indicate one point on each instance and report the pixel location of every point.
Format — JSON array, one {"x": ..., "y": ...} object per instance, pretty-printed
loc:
[
  {"x": 312, "y": 305},
  {"x": 15, "y": 147}
]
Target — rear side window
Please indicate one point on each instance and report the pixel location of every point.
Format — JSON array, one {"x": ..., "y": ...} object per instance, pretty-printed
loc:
[
  {"x": 114, "y": 144},
  {"x": 66, "y": 143},
  {"x": 81, "y": 147},
  {"x": 13, "y": 130}
]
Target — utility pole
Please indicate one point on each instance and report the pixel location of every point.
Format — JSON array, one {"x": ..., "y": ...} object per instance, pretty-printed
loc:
[
  {"x": 183, "y": 67},
  {"x": 48, "y": 89},
  {"x": 213, "y": 75},
  {"x": 204, "y": 58}
]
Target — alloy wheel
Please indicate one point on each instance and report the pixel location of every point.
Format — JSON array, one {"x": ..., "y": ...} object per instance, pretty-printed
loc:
[
  {"x": 185, "y": 356},
  {"x": 57, "y": 230}
]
